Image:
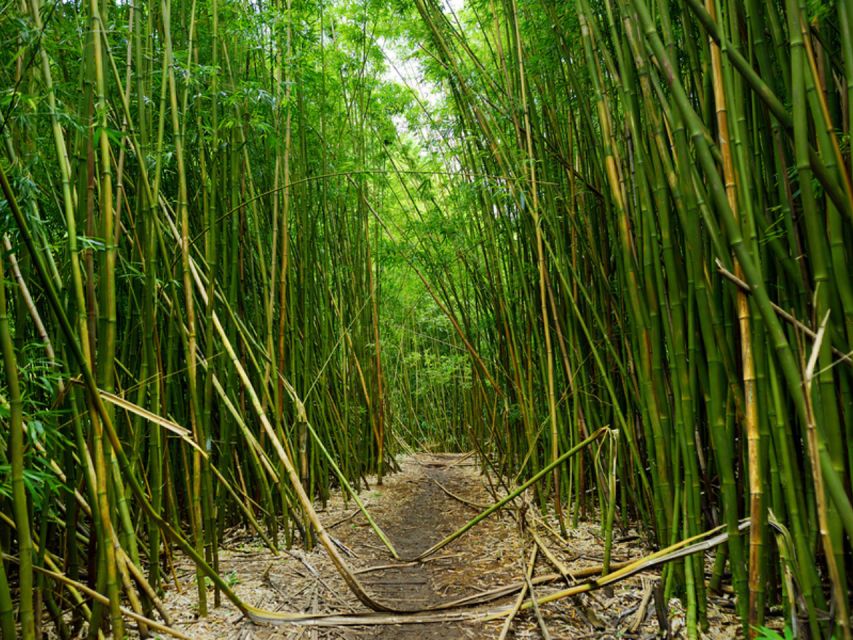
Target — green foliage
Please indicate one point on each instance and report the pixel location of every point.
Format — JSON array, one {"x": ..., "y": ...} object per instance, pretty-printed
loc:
[
  {"x": 516, "y": 249},
  {"x": 766, "y": 633},
  {"x": 41, "y": 483}
]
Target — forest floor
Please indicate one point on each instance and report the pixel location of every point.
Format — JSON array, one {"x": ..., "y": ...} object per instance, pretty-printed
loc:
[{"x": 430, "y": 497}]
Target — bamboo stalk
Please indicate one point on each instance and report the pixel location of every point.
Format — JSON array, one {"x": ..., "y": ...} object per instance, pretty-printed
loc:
[{"x": 16, "y": 457}]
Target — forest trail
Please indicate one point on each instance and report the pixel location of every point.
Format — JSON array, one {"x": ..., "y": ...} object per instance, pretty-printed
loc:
[
  {"x": 255, "y": 250},
  {"x": 431, "y": 496},
  {"x": 424, "y": 513},
  {"x": 415, "y": 509}
]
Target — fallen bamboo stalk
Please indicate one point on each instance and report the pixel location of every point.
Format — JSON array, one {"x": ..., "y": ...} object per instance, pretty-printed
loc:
[
  {"x": 539, "y": 619},
  {"x": 561, "y": 568},
  {"x": 399, "y": 565},
  {"x": 340, "y": 521},
  {"x": 467, "y": 503},
  {"x": 640, "y": 615},
  {"x": 456, "y": 610},
  {"x": 674, "y": 552},
  {"x": 513, "y": 494},
  {"x": 516, "y": 607}
]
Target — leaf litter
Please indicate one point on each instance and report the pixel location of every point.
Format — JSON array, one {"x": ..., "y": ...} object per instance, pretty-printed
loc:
[{"x": 430, "y": 497}]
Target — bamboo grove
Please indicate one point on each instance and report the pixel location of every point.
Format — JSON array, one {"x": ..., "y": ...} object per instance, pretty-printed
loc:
[
  {"x": 664, "y": 247},
  {"x": 185, "y": 173},
  {"x": 242, "y": 268}
]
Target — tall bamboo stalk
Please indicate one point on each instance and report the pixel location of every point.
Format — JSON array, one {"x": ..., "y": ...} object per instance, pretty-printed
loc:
[
  {"x": 16, "y": 458},
  {"x": 623, "y": 213}
]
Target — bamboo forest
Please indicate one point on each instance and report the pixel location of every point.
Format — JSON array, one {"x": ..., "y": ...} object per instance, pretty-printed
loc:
[{"x": 426, "y": 319}]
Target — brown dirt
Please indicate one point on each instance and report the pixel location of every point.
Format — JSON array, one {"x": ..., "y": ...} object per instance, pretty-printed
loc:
[
  {"x": 416, "y": 512},
  {"x": 424, "y": 514}
]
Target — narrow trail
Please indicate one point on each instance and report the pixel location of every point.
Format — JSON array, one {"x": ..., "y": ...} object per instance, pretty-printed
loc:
[
  {"x": 415, "y": 512},
  {"x": 415, "y": 509},
  {"x": 424, "y": 514}
]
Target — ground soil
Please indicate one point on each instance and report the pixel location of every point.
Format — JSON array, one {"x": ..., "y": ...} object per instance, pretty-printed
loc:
[
  {"x": 431, "y": 496},
  {"x": 425, "y": 515}
]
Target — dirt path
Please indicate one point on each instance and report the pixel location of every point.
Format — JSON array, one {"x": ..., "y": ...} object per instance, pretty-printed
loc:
[
  {"x": 425, "y": 514},
  {"x": 415, "y": 508}
]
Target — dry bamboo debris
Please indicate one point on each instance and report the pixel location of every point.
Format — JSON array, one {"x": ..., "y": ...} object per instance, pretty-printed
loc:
[
  {"x": 640, "y": 614},
  {"x": 526, "y": 587},
  {"x": 355, "y": 535},
  {"x": 458, "y": 609},
  {"x": 457, "y": 460},
  {"x": 458, "y": 498}
]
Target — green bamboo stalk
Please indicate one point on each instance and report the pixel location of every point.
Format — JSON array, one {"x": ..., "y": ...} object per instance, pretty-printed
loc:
[
  {"x": 16, "y": 457},
  {"x": 7, "y": 606},
  {"x": 754, "y": 619},
  {"x": 752, "y": 276},
  {"x": 95, "y": 399}
]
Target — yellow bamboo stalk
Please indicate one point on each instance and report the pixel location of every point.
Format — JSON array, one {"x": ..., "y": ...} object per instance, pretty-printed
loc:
[{"x": 756, "y": 490}]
